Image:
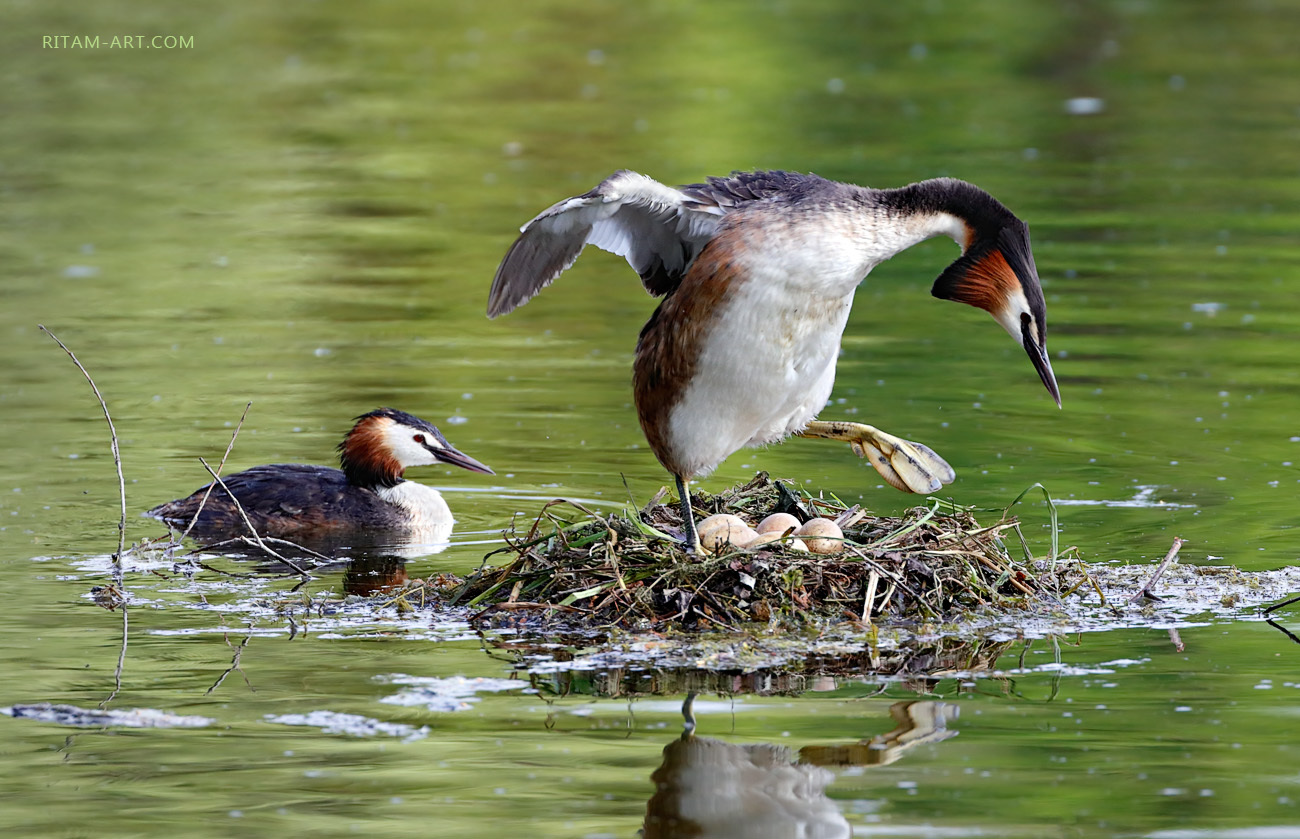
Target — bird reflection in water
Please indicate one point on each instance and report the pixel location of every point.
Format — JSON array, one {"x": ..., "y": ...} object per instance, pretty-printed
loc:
[
  {"x": 376, "y": 566},
  {"x": 372, "y": 563},
  {"x": 917, "y": 723},
  {"x": 710, "y": 789},
  {"x": 373, "y": 575}
]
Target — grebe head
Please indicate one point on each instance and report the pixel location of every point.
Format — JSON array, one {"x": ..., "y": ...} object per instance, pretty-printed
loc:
[
  {"x": 996, "y": 270},
  {"x": 385, "y": 442}
]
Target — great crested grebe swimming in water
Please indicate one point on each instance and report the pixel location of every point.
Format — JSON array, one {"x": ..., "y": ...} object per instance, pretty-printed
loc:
[
  {"x": 758, "y": 272},
  {"x": 369, "y": 493}
]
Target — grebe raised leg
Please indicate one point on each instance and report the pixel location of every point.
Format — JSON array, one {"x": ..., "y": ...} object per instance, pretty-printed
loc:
[{"x": 908, "y": 466}]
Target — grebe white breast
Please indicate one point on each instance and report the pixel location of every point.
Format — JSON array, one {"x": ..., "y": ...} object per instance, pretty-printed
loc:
[
  {"x": 758, "y": 272},
  {"x": 369, "y": 492}
]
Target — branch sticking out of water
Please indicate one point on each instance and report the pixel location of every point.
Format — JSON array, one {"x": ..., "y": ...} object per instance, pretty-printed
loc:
[
  {"x": 117, "y": 455},
  {"x": 1271, "y": 609},
  {"x": 234, "y": 665},
  {"x": 1145, "y": 591},
  {"x": 121, "y": 524},
  {"x": 1280, "y": 628},
  {"x": 121, "y": 659},
  {"x": 256, "y": 537},
  {"x": 222, "y": 465}
]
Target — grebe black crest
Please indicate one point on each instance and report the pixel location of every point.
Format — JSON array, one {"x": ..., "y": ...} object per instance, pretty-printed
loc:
[
  {"x": 758, "y": 272},
  {"x": 369, "y": 493}
]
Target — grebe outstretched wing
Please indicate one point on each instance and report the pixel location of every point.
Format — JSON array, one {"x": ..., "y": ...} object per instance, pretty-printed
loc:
[{"x": 659, "y": 230}]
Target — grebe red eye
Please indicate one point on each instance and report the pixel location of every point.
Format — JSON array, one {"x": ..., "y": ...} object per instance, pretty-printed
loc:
[{"x": 419, "y": 438}]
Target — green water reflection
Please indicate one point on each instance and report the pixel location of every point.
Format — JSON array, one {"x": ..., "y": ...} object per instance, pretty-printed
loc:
[{"x": 305, "y": 210}]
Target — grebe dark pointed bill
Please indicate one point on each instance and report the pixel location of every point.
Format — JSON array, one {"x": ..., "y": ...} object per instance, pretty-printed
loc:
[
  {"x": 369, "y": 493},
  {"x": 758, "y": 272}
]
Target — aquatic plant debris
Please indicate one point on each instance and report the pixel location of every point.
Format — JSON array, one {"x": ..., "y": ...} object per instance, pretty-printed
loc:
[
  {"x": 931, "y": 563},
  {"x": 454, "y": 693},
  {"x": 353, "y": 725},
  {"x": 101, "y": 718}
]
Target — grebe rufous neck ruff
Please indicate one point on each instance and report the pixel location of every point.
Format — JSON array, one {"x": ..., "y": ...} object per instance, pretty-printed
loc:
[
  {"x": 368, "y": 493},
  {"x": 758, "y": 272}
]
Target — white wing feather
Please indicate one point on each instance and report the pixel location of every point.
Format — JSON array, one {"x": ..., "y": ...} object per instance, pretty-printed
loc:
[{"x": 657, "y": 229}]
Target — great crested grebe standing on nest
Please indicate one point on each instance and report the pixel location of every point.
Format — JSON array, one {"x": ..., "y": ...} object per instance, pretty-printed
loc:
[
  {"x": 369, "y": 493},
  {"x": 758, "y": 272}
]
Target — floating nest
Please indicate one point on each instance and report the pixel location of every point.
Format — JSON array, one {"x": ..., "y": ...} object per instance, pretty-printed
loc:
[{"x": 932, "y": 564}]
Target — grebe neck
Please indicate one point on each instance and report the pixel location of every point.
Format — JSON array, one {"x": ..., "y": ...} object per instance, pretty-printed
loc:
[
  {"x": 366, "y": 461},
  {"x": 960, "y": 209}
]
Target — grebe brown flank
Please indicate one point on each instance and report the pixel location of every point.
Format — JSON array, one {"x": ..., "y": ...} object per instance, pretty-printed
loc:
[
  {"x": 758, "y": 272},
  {"x": 368, "y": 493}
]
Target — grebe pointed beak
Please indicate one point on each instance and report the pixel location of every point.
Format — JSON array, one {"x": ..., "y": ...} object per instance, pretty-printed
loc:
[
  {"x": 1038, "y": 355},
  {"x": 447, "y": 454}
]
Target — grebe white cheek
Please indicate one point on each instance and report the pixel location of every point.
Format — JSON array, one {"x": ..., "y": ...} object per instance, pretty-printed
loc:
[{"x": 758, "y": 271}]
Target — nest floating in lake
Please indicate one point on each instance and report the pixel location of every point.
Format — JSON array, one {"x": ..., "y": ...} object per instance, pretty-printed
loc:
[{"x": 933, "y": 563}]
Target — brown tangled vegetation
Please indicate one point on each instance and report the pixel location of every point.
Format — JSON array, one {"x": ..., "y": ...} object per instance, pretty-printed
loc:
[{"x": 929, "y": 564}]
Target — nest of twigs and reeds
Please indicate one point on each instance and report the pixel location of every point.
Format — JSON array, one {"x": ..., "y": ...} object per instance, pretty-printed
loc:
[{"x": 931, "y": 564}]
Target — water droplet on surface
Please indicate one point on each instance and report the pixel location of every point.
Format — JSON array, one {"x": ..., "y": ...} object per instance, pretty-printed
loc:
[{"x": 1085, "y": 105}]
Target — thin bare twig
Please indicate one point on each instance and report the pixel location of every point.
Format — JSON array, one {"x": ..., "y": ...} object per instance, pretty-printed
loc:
[
  {"x": 1145, "y": 591},
  {"x": 221, "y": 571},
  {"x": 1280, "y": 628},
  {"x": 234, "y": 665},
  {"x": 220, "y": 466},
  {"x": 266, "y": 540},
  {"x": 117, "y": 454},
  {"x": 121, "y": 660},
  {"x": 872, "y": 581},
  {"x": 256, "y": 537},
  {"x": 121, "y": 524},
  {"x": 1277, "y": 606},
  {"x": 894, "y": 579}
]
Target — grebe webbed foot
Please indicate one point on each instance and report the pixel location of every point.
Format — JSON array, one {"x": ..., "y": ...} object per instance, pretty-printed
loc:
[{"x": 906, "y": 466}]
